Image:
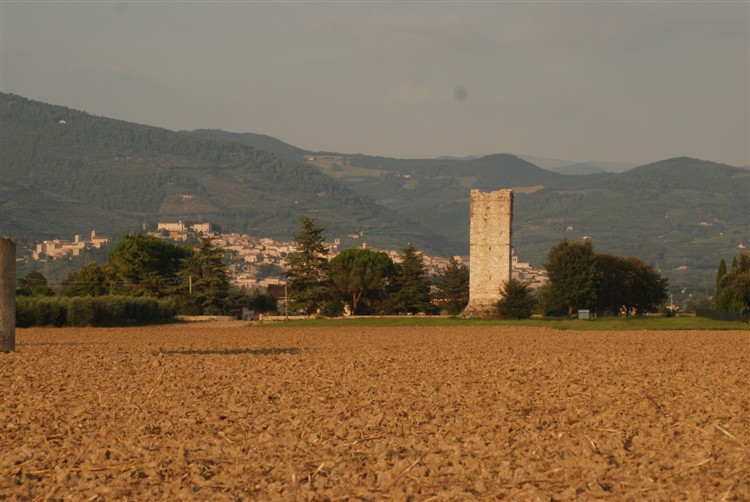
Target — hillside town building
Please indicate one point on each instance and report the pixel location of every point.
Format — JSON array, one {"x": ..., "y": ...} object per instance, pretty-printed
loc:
[
  {"x": 58, "y": 248},
  {"x": 179, "y": 231},
  {"x": 524, "y": 272}
]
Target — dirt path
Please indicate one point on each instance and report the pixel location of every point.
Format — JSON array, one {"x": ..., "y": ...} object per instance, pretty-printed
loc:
[{"x": 224, "y": 412}]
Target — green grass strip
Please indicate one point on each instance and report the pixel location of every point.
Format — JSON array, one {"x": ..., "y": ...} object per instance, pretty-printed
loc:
[{"x": 601, "y": 324}]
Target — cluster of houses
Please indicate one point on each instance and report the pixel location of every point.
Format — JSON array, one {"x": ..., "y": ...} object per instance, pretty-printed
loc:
[
  {"x": 524, "y": 272},
  {"x": 252, "y": 258},
  {"x": 58, "y": 248},
  {"x": 180, "y": 231},
  {"x": 260, "y": 261}
]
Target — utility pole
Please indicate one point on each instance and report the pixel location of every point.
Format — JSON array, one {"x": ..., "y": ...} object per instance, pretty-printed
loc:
[{"x": 286, "y": 303}]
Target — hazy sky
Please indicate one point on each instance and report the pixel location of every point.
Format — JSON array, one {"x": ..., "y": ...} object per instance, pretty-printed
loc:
[{"x": 625, "y": 81}]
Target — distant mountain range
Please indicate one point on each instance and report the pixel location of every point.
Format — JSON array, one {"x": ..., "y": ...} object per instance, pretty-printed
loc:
[
  {"x": 578, "y": 168},
  {"x": 65, "y": 172}
]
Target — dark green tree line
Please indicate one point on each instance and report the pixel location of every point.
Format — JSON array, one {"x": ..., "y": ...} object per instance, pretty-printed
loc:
[
  {"x": 517, "y": 301},
  {"x": 367, "y": 280},
  {"x": 361, "y": 277},
  {"x": 720, "y": 274},
  {"x": 193, "y": 278},
  {"x": 89, "y": 280},
  {"x": 204, "y": 286},
  {"x": 141, "y": 265},
  {"x": 579, "y": 278},
  {"x": 412, "y": 288},
  {"x": 627, "y": 285},
  {"x": 453, "y": 287},
  {"x": 571, "y": 267},
  {"x": 733, "y": 289},
  {"x": 34, "y": 284}
]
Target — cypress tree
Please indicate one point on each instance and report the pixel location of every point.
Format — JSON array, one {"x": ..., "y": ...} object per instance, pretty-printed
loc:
[
  {"x": 453, "y": 287},
  {"x": 412, "y": 287},
  {"x": 204, "y": 280},
  {"x": 719, "y": 276},
  {"x": 735, "y": 287},
  {"x": 307, "y": 276},
  {"x": 517, "y": 301}
]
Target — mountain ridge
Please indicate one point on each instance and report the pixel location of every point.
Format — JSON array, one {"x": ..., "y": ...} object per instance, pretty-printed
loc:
[
  {"x": 143, "y": 173},
  {"x": 673, "y": 213}
]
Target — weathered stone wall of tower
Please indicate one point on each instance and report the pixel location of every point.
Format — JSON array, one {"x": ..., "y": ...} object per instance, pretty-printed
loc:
[{"x": 490, "y": 249}]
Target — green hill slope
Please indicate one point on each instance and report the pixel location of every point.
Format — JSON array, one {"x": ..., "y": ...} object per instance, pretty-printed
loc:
[
  {"x": 85, "y": 172},
  {"x": 65, "y": 172},
  {"x": 434, "y": 192},
  {"x": 260, "y": 141},
  {"x": 681, "y": 214}
]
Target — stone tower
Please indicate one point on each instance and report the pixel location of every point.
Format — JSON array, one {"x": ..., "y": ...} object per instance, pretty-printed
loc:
[{"x": 490, "y": 250}]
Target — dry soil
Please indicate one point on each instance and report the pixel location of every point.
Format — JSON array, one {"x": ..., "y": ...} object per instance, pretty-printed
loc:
[{"x": 222, "y": 411}]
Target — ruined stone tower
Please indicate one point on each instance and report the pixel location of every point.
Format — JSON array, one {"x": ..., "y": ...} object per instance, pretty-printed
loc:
[{"x": 490, "y": 249}]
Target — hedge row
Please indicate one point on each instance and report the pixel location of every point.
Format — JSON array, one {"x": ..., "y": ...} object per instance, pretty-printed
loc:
[{"x": 91, "y": 311}]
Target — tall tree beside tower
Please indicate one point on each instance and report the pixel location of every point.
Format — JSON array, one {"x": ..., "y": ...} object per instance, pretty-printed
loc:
[
  {"x": 307, "y": 273},
  {"x": 412, "y": 288}
]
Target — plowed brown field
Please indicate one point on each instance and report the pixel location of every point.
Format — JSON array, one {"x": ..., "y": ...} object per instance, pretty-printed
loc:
[{"x": 221, "y": 411}]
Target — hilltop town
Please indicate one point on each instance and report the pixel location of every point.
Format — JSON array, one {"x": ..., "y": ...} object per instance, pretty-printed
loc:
[{"x": 257, "y": 261}]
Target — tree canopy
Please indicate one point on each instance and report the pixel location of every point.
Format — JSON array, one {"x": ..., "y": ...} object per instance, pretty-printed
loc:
[
  {"x": 627, "y": 285},
  {"x": 412, "y": 289},
  {"x": 143, "y": 265},
  {"x": 360, "y": 276},
  {"x": 579, "y": 278},
  {"x": 453, "y": 287},
  {"x": 204, "y": 283},
  {"x": 172, "y": 279},
  {"x": 571, "y": 267},
  {"x": 308, "y": 268},
  {"x": 516, "y": 302},
  {"x": 89, "y": 280},
  {"x": 734, "y": 287},
  {"x": 33, "y": 284}
]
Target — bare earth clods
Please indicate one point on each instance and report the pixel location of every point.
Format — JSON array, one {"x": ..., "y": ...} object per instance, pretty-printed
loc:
[{"x": 221, "y": 411}]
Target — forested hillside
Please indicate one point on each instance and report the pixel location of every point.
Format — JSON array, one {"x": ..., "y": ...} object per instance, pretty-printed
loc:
[
  {"x": 260, "y": 141},
  {"x": 65, "y": 172},
  {"x": 682, "y": 215}
]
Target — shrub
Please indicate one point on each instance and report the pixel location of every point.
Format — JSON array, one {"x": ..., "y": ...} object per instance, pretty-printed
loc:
[
  {"x": 91, "y": 311},
  {"x": 113, "y": 309},
  {"x": 45, "y": 311},
  {"x": 517, "y": 301},
  {"x": 332, "y": 308},
  {"x": 82, "y": 311},
  {"x": 167, "y": 309},
  {"x": 23, "y": 316}
]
